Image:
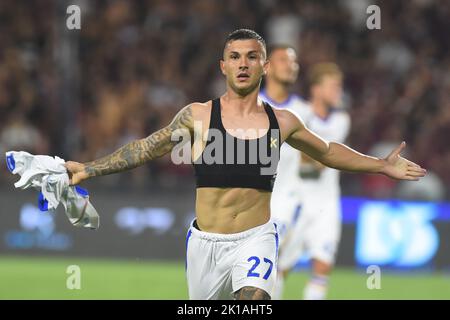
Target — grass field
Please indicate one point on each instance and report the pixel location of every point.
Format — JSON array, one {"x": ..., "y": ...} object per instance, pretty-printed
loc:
[{"x": 45, "y": 278}]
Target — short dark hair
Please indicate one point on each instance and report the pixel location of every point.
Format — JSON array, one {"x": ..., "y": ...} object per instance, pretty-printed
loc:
[
  {"x": 275, "y": 47},
  {"x": 244, "y": 34}
]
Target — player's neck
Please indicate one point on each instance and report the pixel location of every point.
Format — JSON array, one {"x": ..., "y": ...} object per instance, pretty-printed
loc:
[
  {"x": 320, "y": 108},
  {"x": 242, "y": 105},
  {"x": 277, "y": 92}
]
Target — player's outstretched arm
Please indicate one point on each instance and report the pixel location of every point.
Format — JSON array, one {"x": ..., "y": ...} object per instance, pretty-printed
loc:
[
  {"x": 135, "y": 153},
  {"x": 340, "y": 156}
]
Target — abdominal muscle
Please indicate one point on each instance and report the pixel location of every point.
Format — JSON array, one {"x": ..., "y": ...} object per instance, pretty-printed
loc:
[{"x": 231, "y": 210}]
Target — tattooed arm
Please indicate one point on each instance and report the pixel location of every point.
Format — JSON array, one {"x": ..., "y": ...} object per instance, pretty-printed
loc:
[{"x": 135, "y": 153}]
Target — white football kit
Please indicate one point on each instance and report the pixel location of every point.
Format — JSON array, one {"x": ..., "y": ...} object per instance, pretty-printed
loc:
[
  {"x": 217, "y": 265},
  {"x": 318, "y": 228},
  {"x": 307, "y": 211},
  {"x": 285, "y": 203}
]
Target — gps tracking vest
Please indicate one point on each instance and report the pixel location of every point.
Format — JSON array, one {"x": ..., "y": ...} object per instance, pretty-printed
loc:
[{"x": 230, "y": 162}]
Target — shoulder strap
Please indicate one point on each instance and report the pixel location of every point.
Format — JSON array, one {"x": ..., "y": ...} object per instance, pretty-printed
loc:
[
  {"x": 215, "y": 120},
  {"x": 272, "y": 118}
]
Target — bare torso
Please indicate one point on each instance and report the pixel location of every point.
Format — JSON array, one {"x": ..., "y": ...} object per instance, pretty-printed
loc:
[{"x": 232, "y": 210}]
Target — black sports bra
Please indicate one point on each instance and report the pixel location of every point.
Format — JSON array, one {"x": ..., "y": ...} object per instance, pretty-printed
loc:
[{"x": 229, "y": 162}]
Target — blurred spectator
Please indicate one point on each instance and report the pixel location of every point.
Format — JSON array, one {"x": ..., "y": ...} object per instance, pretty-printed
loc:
[{"x": 18, "y": 135}]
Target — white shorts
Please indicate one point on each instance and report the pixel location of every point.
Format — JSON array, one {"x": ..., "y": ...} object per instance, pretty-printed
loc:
[
  {"x": 316, "y": 232},
  {"x": 217, "y": 265}
]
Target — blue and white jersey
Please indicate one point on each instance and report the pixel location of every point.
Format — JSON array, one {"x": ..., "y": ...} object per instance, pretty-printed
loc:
[
  {"x": 335, "y": 127},
  {"x": 288, "y": 179}
]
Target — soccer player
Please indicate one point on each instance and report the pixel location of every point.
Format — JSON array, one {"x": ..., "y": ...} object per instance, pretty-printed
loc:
[
  {"x": 319, "y": 226},
  {"x": 318, "y": 221},
  {"x": 285, "y": 205},
  {"x": 232, "y": 244}
]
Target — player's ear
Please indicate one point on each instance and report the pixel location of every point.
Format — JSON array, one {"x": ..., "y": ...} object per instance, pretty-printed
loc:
[
  {"x": 222, "y": 67},
  {"x": 266, "y": 66}
]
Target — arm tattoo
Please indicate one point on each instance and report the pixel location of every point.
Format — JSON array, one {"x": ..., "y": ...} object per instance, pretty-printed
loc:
[
  {"x": 138, "y": 152},
  {"x": 251, "y": 293}
]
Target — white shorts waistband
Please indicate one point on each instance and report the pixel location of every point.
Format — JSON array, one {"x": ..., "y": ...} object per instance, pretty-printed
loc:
[{"x": 228, "y": 236}]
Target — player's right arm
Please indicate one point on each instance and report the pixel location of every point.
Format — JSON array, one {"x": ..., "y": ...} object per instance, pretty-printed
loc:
[{"x": 135, "y": 153}]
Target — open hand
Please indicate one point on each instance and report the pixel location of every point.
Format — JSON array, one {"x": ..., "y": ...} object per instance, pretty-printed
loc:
[{"x": 400, "y": 168}]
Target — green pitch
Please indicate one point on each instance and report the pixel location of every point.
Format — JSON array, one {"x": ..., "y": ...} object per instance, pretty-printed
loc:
[{"x": 46, "y": 278}]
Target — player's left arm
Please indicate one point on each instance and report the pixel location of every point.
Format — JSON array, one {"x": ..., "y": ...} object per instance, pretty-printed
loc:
[{"x": 339, "y": 156}]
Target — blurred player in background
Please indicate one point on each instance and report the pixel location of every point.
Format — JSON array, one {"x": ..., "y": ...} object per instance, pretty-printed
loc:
[
  {"x": 285, "y": 204},
  {"x": 315, "y": 223},
  {"x": 319, "y": 228}
]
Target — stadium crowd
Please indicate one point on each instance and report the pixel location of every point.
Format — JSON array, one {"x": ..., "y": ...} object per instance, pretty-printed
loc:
[{"x": 138, "y": 62}]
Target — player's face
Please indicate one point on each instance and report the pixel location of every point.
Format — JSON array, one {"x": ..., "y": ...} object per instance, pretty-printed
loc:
[
  {"x": 283, "y": 66},
  {"x": 330, "y": 90},
  {"x": 244, "y": 63}
]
